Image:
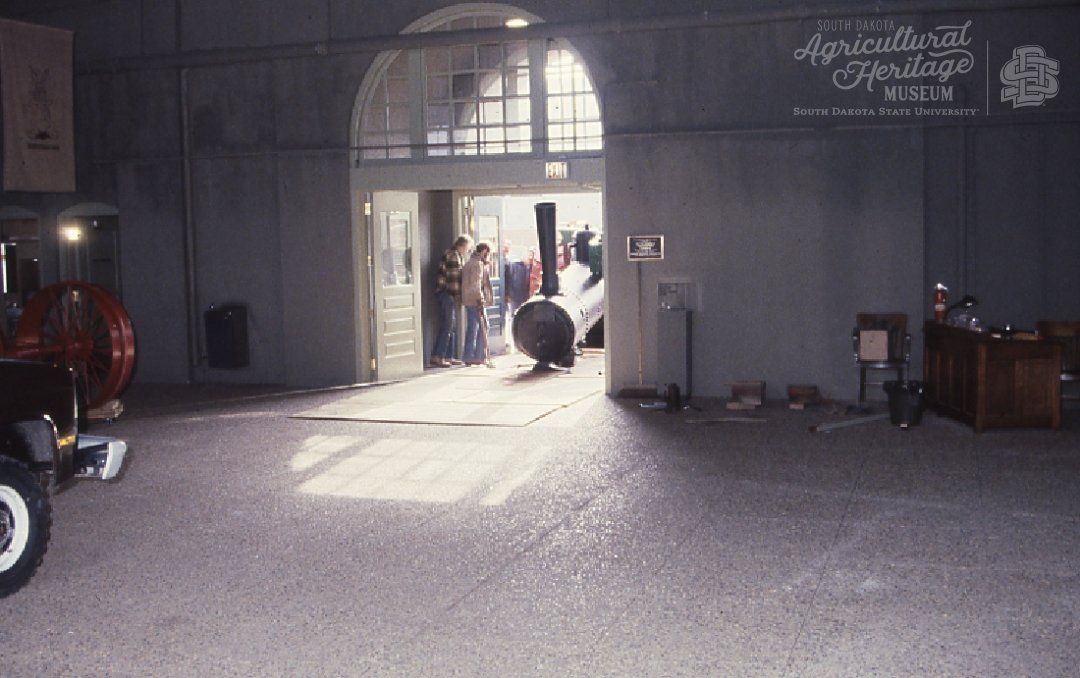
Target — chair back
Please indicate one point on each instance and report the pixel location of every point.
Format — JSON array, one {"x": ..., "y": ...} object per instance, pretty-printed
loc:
[
  {"x": 893, "y": 323},
  {"x": 1066, "y": 333}
]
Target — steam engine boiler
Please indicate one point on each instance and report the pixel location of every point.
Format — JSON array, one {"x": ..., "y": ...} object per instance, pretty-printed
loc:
[{"x": 548, "y": 327}]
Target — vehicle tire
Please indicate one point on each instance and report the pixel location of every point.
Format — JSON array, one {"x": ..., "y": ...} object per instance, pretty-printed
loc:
[{"x": 24, "y": 525}]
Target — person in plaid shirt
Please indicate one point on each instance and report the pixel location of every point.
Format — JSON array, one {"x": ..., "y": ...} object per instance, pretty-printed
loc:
[{"x": 448, "y": 295}]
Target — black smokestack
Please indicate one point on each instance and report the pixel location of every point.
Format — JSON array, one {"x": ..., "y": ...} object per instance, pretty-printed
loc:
[{"x": 545, "y": 234}]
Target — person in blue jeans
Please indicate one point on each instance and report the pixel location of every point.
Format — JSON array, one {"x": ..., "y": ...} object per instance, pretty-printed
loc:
[
  {"x": 448, "y": 296},
  {"x": 476, "y": 294}
]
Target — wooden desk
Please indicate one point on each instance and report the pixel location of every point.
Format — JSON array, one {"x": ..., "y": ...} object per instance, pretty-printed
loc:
[{"x": 989, "y": 382}]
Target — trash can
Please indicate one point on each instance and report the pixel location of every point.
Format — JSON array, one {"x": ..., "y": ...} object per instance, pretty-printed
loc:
[
  {"x": 227, "y": 336},
  {"x": 905, "y": 402}
]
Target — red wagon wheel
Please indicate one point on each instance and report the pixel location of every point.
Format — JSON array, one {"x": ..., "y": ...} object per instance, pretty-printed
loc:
[{"x": 84, "y": 327}]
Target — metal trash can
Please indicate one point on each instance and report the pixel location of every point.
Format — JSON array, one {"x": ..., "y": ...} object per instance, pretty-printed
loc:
[
  {"x": 227, "y": 336},
  {"x": 905, "y": 402}
]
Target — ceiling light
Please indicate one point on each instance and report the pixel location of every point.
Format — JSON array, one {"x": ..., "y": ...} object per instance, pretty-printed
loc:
[{"x": 516, "y": 22}]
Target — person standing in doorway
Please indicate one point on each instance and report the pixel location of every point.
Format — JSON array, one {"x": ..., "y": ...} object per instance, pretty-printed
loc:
[
  {"x": 476, "y": 294},
  {"x": 516, "y": 279},
  {"x": 536, "y": 272},
  {"x": 516, "y": 284},
  {"x": 448, "y": 296}
]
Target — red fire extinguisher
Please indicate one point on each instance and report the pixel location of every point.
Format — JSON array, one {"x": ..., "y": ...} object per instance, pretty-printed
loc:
[{"x": 941, "y": 297}]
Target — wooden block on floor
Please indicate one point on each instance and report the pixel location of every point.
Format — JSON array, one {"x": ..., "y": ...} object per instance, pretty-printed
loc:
[
  {"x": 108, "y": 411},
  {"x": 736, "y": 405},
  {"x": 801, "y": 395},
  {"x": 748, "y": 392}
]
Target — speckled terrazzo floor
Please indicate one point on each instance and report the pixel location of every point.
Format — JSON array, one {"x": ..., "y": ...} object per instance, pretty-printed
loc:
[{"x": 602, "y": 540}]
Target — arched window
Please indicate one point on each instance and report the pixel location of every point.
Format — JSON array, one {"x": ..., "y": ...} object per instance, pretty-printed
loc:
[{"x": 480, "y": 99}]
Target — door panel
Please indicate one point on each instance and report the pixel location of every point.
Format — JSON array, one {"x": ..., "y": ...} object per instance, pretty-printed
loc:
[
  {"x": 395, "y": 284},
  {"x": 489, "y": 230}
]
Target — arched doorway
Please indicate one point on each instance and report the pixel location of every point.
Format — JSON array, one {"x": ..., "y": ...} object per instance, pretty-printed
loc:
[
  {"x": 89, "y": 245},
  {"x": 439, "y": 133},
  {"x": 20, "y": 262}
]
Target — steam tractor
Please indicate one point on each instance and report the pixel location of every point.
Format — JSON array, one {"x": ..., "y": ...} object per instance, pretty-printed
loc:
[
  {"x": 549, "y": 327},
  {"x": 83, "y": 327}
]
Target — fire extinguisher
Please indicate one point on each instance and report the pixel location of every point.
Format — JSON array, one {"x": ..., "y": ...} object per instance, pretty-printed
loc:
[{"x": 941, "y": 297}]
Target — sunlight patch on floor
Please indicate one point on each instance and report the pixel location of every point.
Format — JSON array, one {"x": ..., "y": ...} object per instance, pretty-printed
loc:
[{"x": 398, "y": 469}]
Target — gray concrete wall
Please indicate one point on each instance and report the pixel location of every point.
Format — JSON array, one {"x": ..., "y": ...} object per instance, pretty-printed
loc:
[
  {"x": 790, "y": 224},
  {"x": 154, "y": 289},
  {"x": 318, "y": 276},
  {"x": 787, "y": 237}
]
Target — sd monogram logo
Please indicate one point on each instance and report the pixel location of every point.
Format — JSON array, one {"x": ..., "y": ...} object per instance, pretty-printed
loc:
[{"x": 1030, "y": 77}]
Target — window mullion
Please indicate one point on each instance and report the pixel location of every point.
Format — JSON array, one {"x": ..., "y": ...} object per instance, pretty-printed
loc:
[
  {"x": 538, "y": 96},
  {"x": 417, "y": 104}
]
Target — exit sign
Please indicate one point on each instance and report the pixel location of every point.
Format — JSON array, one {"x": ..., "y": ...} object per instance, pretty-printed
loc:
[{"x": 557, "y": 170}]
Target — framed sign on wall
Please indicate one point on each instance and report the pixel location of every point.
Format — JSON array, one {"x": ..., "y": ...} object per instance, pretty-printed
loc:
[{"x": 645, "y": 247}]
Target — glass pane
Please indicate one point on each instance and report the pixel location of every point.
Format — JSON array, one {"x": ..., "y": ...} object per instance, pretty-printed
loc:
[
  {"x": 581, "y": 102},
  {"x": 465, "y": 86},
  {"x": 465, "y": 136},
  {"x": 491, "y": 112},
  {"x": 581, "y": 83},
  {"x": 518, "y": 147},
  {"x": 399, "y": 67},
  {"x": 491, "y": 84},
  {"x": 399, "y": 142},
  {"x": 517, "y": 54},
  {"x": 438, "y": 88},
  {"x": 554, "y": 83},
  {"x": 374, "y": 146},
  {"x": 464, "y": 115},
  {"x": 517, "y": 83},
  {"x": 397, "y": 90},
  {"x": 438, "y": 116},
  {"x": 438, "y": 143},
  {"x": 518, "y": 133},
  {"x": 398, "y": 117},
  {"x": 463, "y": 57},
  {"x": 493, "y": 140},
  {"x": 559, "y": 108},
  {"x": 378, "y": 94},
  {"x": 374, "y": 140},
  {"x": 490, "y": 56},
  {"x": 437, "y": 60},
  {"x": 396, "y": 256},
  {"x": 517, "y": 110},
  {"x": 374, "y": 119},
  {"x": 566, "y": 80},
  {"x": 591, "y": 107}
]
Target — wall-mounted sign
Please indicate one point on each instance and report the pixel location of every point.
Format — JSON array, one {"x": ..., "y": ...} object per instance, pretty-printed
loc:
[
  {"x": 559, "y": 169},
  {"x": 645, "y": 247}
]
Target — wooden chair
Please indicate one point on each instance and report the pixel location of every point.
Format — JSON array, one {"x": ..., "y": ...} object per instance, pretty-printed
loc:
[
  {"x": 880, "y": 341},
  {"x": 1066, "y": 333}
]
